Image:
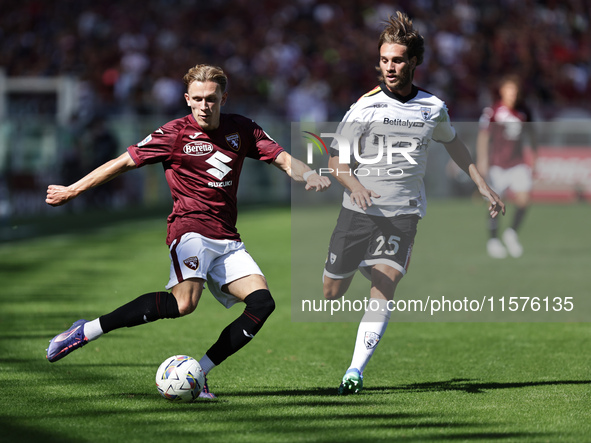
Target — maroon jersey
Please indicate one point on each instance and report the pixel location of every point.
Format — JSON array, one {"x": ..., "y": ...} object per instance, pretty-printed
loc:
[
  {"x": 507, "y": 129},
  {"x": 202, "y": 170}
]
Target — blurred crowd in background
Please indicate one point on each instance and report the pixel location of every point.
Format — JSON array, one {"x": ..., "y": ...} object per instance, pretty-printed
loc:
[
  {"x": 302, "y": 59},
  {"x": 287, "y": 61}
]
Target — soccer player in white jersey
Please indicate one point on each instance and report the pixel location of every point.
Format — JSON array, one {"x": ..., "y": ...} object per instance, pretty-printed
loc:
[
  {"x": 202, "y": 155},
  {"x": 392, "y": 127}
]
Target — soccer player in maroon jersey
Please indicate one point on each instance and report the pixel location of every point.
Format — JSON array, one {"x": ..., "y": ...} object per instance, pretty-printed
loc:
[
  {"x": 500, "y": 152},
  {"x": 202, "y": 155}
]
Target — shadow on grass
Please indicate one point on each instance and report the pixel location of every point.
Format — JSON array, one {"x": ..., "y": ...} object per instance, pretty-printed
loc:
[
  {"x": 469, "y": 386},
  {"x": 357, "y": 418},
  {"x": 13, "y": 432},
  {"x": 329, "y": 421}
]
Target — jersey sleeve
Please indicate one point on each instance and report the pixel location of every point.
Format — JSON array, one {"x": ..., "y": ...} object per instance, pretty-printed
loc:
[
  {"x": 444, "y": 132},
  {"x": 156, "y": 147},
  {"x": 265, "y": 148}
]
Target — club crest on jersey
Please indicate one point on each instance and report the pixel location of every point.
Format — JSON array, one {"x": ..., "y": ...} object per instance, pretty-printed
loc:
[
  {"x": 233, "y": 141},
  {"x": 371, "y": 339},
  {"x": 426, "y": 113},
  {"x": 198, "y": 148},
  {"x": 192, "y": 263}
]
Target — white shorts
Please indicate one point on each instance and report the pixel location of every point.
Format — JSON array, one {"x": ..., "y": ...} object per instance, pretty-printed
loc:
[
  {"x": 517, "y": 179},
  {"x": 218, "y": 261}
]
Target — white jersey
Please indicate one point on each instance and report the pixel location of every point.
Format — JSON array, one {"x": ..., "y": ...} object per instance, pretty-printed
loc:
[{"x": 388, "y": 141}]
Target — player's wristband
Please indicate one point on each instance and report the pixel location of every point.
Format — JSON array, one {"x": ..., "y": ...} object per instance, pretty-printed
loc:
[{"x": 308, "y": 174}]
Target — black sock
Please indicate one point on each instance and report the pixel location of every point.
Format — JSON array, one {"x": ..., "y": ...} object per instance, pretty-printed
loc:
[
  {"x": 519, "y": 214},
  {"x": 259, "y": 306},
  {"x": 144, "y": 309},
  {"x": 493, "y": 227}
]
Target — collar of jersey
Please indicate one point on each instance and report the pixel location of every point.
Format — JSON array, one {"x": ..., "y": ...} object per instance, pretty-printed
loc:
[{"x": 398, "y": 97}]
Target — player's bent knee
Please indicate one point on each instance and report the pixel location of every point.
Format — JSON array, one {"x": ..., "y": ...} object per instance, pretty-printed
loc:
[
  {"x": 187, "y": 295},
  {"x": 260, "y": 303},
  {"x": 186, "y": 308},
  {"x": 186, "y": 304},
  {"x": 334, "y": 289},
  {"x": 331, "y": 294}
]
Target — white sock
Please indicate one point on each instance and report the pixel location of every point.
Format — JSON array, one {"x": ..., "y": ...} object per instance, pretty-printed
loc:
[
  {"x": 370, "y": 332},
  {"x": 93, "y": 330},
  {"x": 206, "y": 364}
]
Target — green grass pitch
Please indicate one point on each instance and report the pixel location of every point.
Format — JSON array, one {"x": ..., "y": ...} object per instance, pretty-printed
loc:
[{"x": 428, "y": 381}]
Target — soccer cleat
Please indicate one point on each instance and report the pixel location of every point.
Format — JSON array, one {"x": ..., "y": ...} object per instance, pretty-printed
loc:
[
  {"x": 206, "y": 393},
  {"x": 352, "y": 382},
  {"x": 495, "y": 248},
  {"x": 512, "y": 243},
  {"x": 66, "y": 342}
]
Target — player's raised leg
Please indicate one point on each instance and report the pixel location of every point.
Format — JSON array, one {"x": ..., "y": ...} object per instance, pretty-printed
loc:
[{"x": 145, "y": 309}]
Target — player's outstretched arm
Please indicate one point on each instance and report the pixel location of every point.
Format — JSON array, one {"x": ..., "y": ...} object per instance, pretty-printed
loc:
[
  {"x": 482, "y": 147},
  {"x": 58, "y": 195},
  {"x": 460, "y": 154},
  {"x": 301, "y": 172},
  {"x": 360, "y": 195}
]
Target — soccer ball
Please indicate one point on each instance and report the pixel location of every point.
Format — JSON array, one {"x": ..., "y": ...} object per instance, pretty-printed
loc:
[{"x": 180, "y": 378}]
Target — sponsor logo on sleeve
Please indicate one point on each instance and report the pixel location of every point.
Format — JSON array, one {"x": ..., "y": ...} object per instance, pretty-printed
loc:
[{"x": 148, "y": 139}]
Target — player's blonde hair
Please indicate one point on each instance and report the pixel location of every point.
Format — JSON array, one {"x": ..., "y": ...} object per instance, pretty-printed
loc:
[
  {"x": 204, "y": 73},
  {"x": 399, "y": 29}
]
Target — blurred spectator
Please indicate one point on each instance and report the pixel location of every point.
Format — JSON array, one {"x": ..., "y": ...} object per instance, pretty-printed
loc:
[
  {"x": 97, "y": 145},
  {"x": 308, "y": 101},
  {"x": 131, "y": 49},
  {"x": 167, "y": 93}
]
